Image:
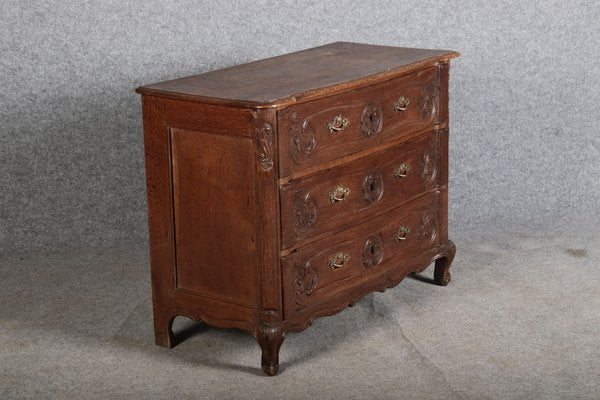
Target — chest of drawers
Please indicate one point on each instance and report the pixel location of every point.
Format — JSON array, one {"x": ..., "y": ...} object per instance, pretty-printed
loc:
[{"x": 286, "y": 189}]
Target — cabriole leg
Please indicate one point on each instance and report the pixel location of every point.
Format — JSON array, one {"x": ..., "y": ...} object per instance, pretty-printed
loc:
[
  {"x": 441, "y": 274},
  {"x": 269, "y": 338}
]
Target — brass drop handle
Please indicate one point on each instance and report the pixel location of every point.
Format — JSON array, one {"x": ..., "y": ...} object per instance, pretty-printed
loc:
[
  {"x": 402, "y": 170},
  {"x": 401, "y": 104},
  {"x": 338, "y": 193},
  {"x": 337, "y": 124},
  {"x": 402, "y": 233},
  {"x": 338, "y": 260}
]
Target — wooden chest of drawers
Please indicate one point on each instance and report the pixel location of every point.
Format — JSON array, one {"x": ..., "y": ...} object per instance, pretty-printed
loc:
[{"x": 286, "y": 189}]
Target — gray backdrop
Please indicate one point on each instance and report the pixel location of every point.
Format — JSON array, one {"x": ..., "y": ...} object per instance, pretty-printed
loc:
[{"x": 524, "y": 101}]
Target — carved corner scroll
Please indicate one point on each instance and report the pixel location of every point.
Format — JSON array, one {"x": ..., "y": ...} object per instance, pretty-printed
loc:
[{"x": 264, "y": 134}]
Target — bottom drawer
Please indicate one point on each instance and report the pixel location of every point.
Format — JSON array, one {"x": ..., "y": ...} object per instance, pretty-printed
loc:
[{"x": 317, "y": 271}]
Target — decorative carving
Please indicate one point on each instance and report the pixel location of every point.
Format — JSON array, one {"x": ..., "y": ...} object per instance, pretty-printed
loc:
[
  {"x": 429, "y": 163},
  {"x": 442, "y": 256},
  {"x": 371, "y": 120},
  {"x": 306, "y": 279},
  {"x": 372, "y": 252},
  {"x": 372, "y": 187},
  {"x": 429, "y": 226},
  {"x": 303, "y": 140},
  {"x": 428, "y": 101},
  {"x": 305, "y": 212},
  {"x": 429, "y": 168},
  {"x": 264, "y": 133}
]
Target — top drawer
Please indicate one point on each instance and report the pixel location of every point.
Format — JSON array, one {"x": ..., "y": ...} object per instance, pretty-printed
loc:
[{"x": 322, "y": 130}]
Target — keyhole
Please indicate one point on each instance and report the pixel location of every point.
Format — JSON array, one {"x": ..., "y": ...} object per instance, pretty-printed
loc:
[
  {"x": 371, "y": 117},
  {"x": 372, "y": 186},
  {"x": 372, "y": 249}
]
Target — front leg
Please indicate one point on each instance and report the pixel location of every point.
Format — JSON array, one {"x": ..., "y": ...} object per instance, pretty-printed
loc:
[
  {"x": 441, "y": 274},
  {"x": 163, "y": 329},
  {"x": 269, "y": 337}
]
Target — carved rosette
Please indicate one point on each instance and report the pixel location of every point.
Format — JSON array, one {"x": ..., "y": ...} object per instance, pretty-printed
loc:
[
  {"x": 305, "y": 281},
  {"x": 303, "y": 140},
  {"x": 429, "y": 226},
  {"x": 372, "y": 187},
  {"x": 372, "y": 254},
  {"x": 371, "y": 120},
  {"x": 305, "y": 212},
  {"x": 264, "y": 133}
]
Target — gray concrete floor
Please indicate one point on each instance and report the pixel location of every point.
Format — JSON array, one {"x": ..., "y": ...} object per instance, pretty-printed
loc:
[{"x": 520, "y": 320}]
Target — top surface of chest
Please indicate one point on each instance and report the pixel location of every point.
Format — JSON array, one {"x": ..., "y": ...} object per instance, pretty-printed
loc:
[{"x": 305, "y": 74}]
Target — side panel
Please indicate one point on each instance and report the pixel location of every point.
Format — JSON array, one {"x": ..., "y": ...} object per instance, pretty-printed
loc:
[{"x": 214, "y": 205}]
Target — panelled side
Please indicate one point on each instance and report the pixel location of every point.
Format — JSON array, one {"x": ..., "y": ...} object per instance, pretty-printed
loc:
[{"x": 201, "y": 163}]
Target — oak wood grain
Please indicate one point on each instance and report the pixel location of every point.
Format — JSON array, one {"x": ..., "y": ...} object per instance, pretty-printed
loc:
[{"x": 303, "y": 75}]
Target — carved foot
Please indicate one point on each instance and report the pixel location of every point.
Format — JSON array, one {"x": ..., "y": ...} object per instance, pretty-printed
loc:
[
  {"x": 441, "y": 275},
  {"x": 270, "y": 337},
  {"x": 163, "y": 333}
]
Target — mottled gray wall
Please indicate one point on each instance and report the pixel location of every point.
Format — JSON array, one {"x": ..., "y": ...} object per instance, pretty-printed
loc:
[{"x": 524, "y": 100}]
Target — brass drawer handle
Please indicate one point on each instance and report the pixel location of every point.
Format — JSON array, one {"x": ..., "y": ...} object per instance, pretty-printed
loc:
[
  {"x": 338, "y": 260},
  {"x": 401, "y": 104},
  {"x": 337, "y": 124},
  {"x": 402, "y": 170},
  {"x": 338, "y": 193},
  {"x": 402, "y": 233}
]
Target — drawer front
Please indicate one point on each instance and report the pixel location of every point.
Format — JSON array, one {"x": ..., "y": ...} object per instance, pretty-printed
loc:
[
  {"x": 329, "y": 128},
  {"x": 324, "y": 268},
  {"x": 367, "y": 186}
]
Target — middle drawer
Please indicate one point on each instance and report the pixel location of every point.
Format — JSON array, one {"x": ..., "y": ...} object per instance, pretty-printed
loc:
[{"x": 335, "y": 197}]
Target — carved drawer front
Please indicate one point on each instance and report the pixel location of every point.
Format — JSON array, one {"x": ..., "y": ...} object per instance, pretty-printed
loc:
[
  {"x": 344, "y": 260},
  {"x": 329, "y": 128},
  {"x": 338, "y": 196}
]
